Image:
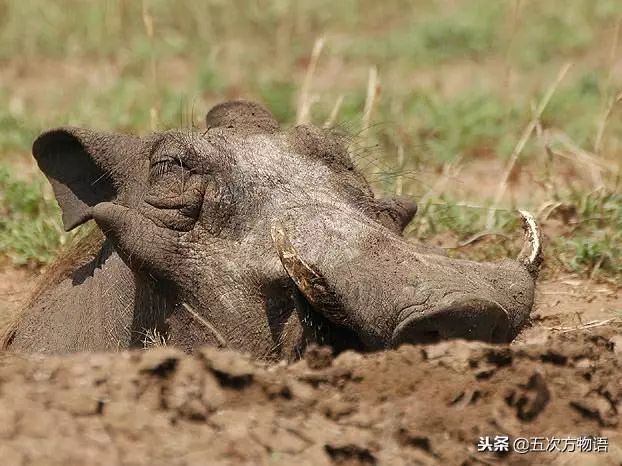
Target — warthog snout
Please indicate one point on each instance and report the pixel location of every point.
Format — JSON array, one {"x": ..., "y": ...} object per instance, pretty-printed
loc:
[
  {"x": 471, "y": 319},
  {"x": 397, "y": 293}
]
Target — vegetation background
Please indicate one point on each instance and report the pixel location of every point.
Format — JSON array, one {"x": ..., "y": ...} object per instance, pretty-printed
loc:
[{"x": 473, "y": 107}]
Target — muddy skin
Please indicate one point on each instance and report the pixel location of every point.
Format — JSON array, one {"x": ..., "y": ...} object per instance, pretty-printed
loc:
[{"x": 255, "y": 238}]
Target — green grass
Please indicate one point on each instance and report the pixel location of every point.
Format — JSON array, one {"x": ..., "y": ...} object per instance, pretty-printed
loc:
[
  {"x": 466, "y": 32},
  {"x": 587, "y": 241},
  {"x": 30, "y": 228},
  {"x": 458, "y": 81},
  {"x": 16, "y": 132},
  {"x": 594, "y": 243},
  {"x": 470, "y": 124}
]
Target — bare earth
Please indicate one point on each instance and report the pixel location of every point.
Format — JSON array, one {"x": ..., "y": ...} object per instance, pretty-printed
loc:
[
  {"x": 416, "y": 405},
  {"x": 15, "y": 284}
]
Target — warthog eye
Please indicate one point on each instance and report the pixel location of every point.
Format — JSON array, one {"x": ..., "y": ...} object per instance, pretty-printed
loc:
[{"x": 167, "y": 165}]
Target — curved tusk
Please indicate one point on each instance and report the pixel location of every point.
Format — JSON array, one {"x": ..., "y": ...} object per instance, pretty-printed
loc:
[
  {"x": 531, "y": 256},
  {"x": 309, "y": 282},
  {"x": 305, "y": 278}
]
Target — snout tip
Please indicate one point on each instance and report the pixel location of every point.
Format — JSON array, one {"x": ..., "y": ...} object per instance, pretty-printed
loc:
[{"x": 470, "y": 319}]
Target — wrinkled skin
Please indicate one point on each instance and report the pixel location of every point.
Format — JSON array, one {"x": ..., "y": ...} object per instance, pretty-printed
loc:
[{"x": 253, "y": 238}]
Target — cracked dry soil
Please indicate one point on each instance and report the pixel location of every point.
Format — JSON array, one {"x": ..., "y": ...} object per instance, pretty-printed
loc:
[{"x": 416, "y": 405}]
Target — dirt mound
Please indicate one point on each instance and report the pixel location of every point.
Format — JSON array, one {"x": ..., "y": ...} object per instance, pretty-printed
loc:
[{"x": 415, "y": 405}]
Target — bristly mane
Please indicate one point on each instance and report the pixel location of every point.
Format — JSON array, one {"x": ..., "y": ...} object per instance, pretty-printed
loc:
[{"x": 80, "y": 251}]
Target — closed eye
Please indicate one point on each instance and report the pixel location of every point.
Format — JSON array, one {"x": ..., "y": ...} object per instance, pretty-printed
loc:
[{"x": 167, "y": 165}]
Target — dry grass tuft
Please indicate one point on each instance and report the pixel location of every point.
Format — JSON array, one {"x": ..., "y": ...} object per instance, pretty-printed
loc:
[
  {"x": 154, "y": 339},
  {"x": 306, "y": 99},
  {"x": 490, "y": 220}
]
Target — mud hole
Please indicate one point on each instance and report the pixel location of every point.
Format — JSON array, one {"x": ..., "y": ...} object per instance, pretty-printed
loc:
[{"x": 416, "y": 405}]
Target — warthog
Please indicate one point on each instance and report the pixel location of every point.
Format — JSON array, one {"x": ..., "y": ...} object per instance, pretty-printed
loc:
[{"x": 255, "y": 238}]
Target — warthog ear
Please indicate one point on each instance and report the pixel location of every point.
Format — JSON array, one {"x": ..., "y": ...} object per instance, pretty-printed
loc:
[
  {"x": 399, "y": 210},
  {"x": 82, "y": 167},
  {"x": 248, "y": 117}
]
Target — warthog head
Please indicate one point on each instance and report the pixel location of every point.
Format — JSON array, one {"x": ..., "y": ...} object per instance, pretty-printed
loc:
[{"x": 267, "y": 239}]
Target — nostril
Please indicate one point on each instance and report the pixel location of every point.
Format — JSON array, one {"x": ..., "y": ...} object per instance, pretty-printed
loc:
[
  {"x": 500, "y": 333},
  {"x": 426, "y": 337},
  {"x": 423, "y": 330},
  {"x": 470, "y": 319}
]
